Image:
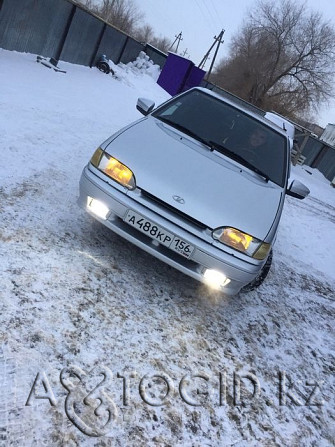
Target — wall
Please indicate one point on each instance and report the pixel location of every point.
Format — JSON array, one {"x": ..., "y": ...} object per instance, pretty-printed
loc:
[
  {"x": 65, "y": 31},
  {"x": 328, "y": 135}
]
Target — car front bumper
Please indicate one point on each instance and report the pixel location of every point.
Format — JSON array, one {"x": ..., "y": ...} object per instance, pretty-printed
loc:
[{"x": 204, "y": 256}]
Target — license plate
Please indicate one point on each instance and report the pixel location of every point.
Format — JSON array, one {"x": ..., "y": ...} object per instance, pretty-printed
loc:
[{"x": 159, "y": 234}]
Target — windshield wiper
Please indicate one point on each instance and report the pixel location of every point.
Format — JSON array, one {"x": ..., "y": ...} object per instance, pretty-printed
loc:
[
  {"x": 233, "y": 155},
  {"x": 185, "y": 130},
  {"x": 212, "y": 145}
]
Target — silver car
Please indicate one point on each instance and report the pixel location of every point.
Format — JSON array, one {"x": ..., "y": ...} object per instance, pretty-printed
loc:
[{"x": 200, "y": 183}]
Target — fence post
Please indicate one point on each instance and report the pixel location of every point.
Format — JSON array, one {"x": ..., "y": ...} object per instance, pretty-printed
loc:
[
  {"x": 54, "y": 60},
  {"x": 98, "y": 45},
  {"x": 122, "y": 51}
]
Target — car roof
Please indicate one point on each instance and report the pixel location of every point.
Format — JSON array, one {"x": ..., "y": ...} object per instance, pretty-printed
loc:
[{"x": 243, "y": 109}]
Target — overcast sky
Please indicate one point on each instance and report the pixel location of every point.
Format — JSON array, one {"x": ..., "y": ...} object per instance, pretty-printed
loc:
[{"x": 201, "y": 20}]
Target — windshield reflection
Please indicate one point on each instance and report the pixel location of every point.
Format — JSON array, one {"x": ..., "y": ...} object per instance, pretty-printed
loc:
[{"x": 226, "y": 129}]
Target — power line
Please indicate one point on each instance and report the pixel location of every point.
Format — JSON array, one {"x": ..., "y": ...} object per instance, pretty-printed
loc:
[
  {"x": 217, "y": 14},
  {"x": 213, "y": 16},
  {"x": 203, "y": 14}
]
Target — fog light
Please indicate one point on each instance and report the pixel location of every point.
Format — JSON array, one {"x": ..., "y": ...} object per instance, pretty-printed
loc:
[
  {"x": 215, "y": 279},
  {"x": 98, "y": 208}
]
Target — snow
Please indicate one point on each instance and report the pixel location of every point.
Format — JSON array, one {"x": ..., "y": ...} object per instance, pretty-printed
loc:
[
  {"x": 73, "y": 293},
  {"x": 307, "y": 231}
]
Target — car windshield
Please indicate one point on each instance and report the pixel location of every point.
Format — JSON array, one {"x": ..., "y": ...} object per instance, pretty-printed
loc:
[{"x": 228, "y": 130}]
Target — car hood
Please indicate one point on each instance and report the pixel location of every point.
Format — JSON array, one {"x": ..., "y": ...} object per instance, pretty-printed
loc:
[{"x": 216, "y": 191}]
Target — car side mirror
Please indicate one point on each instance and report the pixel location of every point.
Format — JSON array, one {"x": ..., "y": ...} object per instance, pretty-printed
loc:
[
  {"x": 297, "y": 190},
  {"x": 145, "y": 106}
]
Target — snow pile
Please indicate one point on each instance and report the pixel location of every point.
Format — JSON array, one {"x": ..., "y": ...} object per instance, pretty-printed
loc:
[
  {"x": 141, "y": 67},
  {"x": 144, "y": 64}
]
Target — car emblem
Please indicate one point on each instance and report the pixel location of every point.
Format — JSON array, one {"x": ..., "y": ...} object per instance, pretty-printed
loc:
[{"x": 179, "y": 199}]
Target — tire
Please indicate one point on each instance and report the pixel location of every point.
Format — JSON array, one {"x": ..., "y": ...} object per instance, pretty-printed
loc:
[
  {"x": 104, "y": 67},
  {"x": 260, "y": 277}
]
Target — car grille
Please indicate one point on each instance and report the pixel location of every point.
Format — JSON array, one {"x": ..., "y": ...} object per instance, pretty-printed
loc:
[{"x": 172, "y": 209}]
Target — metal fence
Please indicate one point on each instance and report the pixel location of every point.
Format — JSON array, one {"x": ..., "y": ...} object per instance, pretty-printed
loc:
[
  {"x": 65, "y": 31},
  {"x": 317, "y": 154}
]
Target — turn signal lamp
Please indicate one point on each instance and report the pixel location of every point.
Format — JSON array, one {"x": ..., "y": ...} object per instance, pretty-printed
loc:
[
  {"x": 242, "y": 242},
  {"x": 113, "y": 168}
]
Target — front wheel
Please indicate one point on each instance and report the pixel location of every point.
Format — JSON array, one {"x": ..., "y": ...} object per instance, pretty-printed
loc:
[{"x": 260, "y": 277}]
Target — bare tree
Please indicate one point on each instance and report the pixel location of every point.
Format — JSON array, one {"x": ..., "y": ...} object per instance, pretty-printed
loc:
[
  {"x": 144, "y": 33},
  {"x": 122, "y": 14},
  {"x": 162, "y": 43},
  {"x": 283, "y": 58}
]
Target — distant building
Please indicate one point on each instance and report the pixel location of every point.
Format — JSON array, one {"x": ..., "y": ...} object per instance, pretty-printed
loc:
[{"x": 328, "y": 135}]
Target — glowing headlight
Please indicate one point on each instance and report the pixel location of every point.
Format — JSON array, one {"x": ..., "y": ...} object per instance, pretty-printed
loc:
[
  {"x": 242, "y": 242},
  {"x": 113, "y": 168},
  {"x": 98, "y": 208},
  {"x": 215, "y": 279}
]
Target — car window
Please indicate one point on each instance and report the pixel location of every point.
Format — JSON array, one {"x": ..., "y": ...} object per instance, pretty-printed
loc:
[{"x": 217, "y": 122}]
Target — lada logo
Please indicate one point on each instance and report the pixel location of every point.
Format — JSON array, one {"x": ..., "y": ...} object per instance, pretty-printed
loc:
[{"x": 179, "y": 199}]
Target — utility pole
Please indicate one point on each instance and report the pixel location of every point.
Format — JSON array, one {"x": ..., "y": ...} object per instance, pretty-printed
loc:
[
  {"x": 185, "y": 53},
  {"x": 204, "y": 60},
  {"x": 177, "y": 39},
  {"x": 218, "y": 41}
]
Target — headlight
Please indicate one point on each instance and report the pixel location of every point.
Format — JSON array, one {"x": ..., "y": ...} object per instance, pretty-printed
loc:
[
  {"x": 215, "y": 279},
  {"x": 242, "y": 242},
  {"x": 113, "y": 168}
]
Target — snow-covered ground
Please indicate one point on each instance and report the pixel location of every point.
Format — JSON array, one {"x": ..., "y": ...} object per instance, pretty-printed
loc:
[{"x": 74, "y": 295}]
